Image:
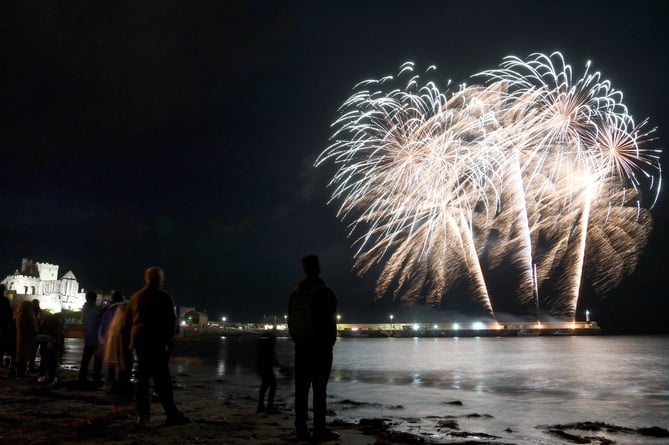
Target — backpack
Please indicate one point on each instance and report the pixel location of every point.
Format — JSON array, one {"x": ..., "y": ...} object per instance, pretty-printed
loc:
[{"x": 300, "y": 320}]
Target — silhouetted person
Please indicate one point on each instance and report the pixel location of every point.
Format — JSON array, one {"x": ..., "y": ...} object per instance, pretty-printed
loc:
[
  {"x": 50, "y": 336},
  {"x": 6, "y": 321},
  {"x": 105, "y": 322},
  {"x": 38, "y": 316},
  {"x": 115, "y": 335},
  {"x": 312, "y": 309},
  {"x": 153, "y": 325},
  {"x": 90, "y": 321},
  {"x": 266, "y": 361},
  {"x": 26, "y": 331}
]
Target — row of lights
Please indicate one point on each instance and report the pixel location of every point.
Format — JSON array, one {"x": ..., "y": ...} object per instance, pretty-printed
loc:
[{"x": 476, "y": 325}]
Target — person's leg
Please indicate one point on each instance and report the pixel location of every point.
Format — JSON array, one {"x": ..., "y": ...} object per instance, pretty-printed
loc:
[
  {"x": 111, "y": 382},
  {"x": 124, "y": 375},
  {"x": 97, "y": 365},
  {"x": 50, "y": 357},
  {"x": 61, "y": 349},
  {"x": 263, "y": 389},
  {"x": 302, "y": 384},
  {"x": 33, "y": 355},
  {"x": 272, "y": 391},
  {"x": 85, "y": 360},
  {"x": 162, "y": 381},
  {"x": 12, "y": 364},
  {"x": 11, "y": 346},
  {"x": 323, "y": 366},
  {"x": 3, "y": 341},
  {"x": 21, "y": 369},
  {"x": 42, "y": 347},
  {"x": 142, "y": 387}
]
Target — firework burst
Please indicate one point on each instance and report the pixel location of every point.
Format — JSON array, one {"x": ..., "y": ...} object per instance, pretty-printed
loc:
[{"x": 530, "y": 167}]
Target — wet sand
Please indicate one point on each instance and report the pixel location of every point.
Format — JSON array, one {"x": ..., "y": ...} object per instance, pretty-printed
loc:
[
  {"x": 224, "y": 413},
  {"x": 32, "y": 413}
]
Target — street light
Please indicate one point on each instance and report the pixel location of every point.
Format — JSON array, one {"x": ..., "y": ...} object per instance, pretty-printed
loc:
[
  {"x": 587, "y": 315},
  {"x": 391, "y": 322}
]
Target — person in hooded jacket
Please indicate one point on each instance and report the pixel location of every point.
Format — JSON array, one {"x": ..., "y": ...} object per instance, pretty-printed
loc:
[{"x": 312, "y": 323}]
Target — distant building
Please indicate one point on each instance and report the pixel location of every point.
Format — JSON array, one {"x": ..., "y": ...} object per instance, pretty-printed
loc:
[
  {"x": 188, "y": 316},
  {"x": 39, "y": 281}
]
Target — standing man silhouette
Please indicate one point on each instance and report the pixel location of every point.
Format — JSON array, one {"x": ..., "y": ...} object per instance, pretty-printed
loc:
[
  {"x": 90, "y": 320},
  {"x": 153, "y": 325},
  {"x": 312, "y": 309}
]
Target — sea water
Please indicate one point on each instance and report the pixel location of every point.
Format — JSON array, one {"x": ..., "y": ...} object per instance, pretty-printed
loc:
[
  {"x": 513, "y": 388},
  {"x": 523, "y": 384}
]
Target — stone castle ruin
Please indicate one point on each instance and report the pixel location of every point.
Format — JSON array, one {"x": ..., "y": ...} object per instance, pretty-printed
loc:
[{"x": 39, "y": 281}]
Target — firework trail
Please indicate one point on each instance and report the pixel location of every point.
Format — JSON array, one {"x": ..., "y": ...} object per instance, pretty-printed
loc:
[{"x": 530, "y": 167}]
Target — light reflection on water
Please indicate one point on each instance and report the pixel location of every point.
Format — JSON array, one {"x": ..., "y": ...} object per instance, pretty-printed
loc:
[
  {"x": 601, "y": 366},
  {"x": 527, "y": 381}
]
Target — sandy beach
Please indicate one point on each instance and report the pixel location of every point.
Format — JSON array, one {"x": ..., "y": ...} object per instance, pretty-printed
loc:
[
  {"x": 32, "y": 413},
  {"x": 223, "y": 411}
]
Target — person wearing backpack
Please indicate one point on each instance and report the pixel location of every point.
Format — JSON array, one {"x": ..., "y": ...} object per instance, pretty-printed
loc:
[{"x": 312, "y": 323}]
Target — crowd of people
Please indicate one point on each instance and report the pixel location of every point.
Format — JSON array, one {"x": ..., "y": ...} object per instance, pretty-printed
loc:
[
  {"x": 140, "y": 333},
  {"x": 116, "y": 336},
  {"x": 26, "y": 332}
]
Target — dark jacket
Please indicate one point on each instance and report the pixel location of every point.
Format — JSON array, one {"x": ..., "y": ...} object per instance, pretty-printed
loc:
[
  {"x": 26, "y": 331},
  {"x": 266, "y": 357},
  {"x": 90, "y": 321},
  {"x": 323, "y": 311},
  {"x": 51, "y": 329},
  {"x": 152, "y": 318}
]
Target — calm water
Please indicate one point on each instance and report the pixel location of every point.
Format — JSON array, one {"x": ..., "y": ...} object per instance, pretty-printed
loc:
[{"x": 522, "y": 383}]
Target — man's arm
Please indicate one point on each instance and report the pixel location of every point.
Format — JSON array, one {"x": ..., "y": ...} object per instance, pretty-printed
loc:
[{"x": 332, "y": 316}]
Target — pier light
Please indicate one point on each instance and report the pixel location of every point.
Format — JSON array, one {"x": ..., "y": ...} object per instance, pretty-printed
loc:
[
  {"x": 391, "y": 322},
  {"x": 434, "y": 326},
  {"x": 587, "y": 315},
  {"x": 477, "y": 326},
  {"x": 416, "y": 327},
  {"x": 285, "y": 319},
  {"x": 456, "y": 326}
]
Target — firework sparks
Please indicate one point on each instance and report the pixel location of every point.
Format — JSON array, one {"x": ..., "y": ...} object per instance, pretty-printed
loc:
[{"x": 552, "y": 166}]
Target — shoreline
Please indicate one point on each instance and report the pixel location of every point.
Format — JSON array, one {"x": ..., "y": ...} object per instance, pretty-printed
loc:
[
  {"x": 35, "y": 414},
  {"x": 222, "y": 412}
]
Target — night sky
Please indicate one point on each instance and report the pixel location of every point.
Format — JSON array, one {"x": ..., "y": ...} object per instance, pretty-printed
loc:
[{"x": 183, "y": 134}]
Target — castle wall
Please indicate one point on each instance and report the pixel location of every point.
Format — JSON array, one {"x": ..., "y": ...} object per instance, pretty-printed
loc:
[
  {"x": 40, "y": 281},
  {"x": 47, "y": 272}
]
